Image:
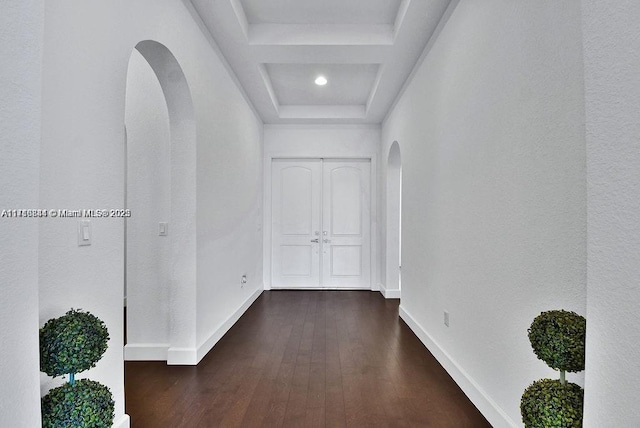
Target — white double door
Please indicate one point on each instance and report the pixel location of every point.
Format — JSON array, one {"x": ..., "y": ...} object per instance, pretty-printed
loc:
[{"x": 320, "y": 212}]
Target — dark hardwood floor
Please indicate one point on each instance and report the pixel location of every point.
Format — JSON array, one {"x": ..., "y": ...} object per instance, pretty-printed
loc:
[{"x": 305, "y": 359}]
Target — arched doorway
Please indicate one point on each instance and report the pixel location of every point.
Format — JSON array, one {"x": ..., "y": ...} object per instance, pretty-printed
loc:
[
  {"x": 393, "y": 280},
  {"x": 160, "y": 244}
]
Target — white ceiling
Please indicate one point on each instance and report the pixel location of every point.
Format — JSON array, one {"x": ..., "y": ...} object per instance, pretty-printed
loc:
[
  {"x": 320, "y": 12},
  {"x": 350, "y": 83},
  {"x": 365, "y": 48}
]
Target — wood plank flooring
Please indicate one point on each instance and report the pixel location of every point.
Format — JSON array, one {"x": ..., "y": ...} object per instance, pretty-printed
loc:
[{"x": 305, "y": 359}]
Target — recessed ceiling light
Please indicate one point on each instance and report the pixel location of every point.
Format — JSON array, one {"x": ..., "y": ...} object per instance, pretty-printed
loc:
[{"x": 321, "y": 80}]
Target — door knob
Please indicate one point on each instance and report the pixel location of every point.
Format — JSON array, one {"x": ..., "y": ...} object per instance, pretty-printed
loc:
[
  {"x": 326, "y": 241},
  {"x": 315, "y": 240}
]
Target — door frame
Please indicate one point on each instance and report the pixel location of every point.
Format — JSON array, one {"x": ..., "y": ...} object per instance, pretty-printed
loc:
[{"x": 267, "y": 220}]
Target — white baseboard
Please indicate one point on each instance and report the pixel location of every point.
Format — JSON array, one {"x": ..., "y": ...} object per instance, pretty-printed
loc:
[
  {"x": 123, "y": 422},
  {"x": 489, "y": 408},
  {"x": 217, "y": 334},
  {"x": 389, "y": 294},
  {"x": 182, "y": 357},
  {"x": 146, "y": 351}
]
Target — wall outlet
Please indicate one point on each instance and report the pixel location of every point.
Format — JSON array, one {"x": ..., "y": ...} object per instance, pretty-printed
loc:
[
  {"x": 243, "y": 281},
  {"x": 446, "y": 318}
]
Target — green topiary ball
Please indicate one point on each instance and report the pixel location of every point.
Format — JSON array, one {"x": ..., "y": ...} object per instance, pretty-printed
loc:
[
  {"x": 72, "y": 343},
  {"x": 86, "y": 403},
  {"x": 548, "y": 403},
  {"x": 558, "y": 339}
]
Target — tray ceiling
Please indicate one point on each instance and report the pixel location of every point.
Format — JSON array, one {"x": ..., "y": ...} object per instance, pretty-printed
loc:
[{"x": 366, "y": 49}]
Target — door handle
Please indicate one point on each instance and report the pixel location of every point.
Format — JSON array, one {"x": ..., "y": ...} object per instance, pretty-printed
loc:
[
  {"x": 326, "y": 241},
  {"x": 315, "y": 240}
]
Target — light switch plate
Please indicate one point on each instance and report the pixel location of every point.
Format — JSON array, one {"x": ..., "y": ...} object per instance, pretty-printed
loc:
[
  {"x": 164, "y": 229},
  {"x": 84, "y": 233}
]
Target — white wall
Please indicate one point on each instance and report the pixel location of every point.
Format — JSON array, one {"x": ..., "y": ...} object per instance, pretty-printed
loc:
[
  {"x": 494, "y": 192},
  {"x": 21, "y": 29},
  {"x": 612, "y": 86},
  {"x": 86, "y": 53},
  {"x": 321, "y": 141},
  {"x": 149, "y": 198},
  {"x": 229, "y": 208},
  {"x": 313, "y": 141}
]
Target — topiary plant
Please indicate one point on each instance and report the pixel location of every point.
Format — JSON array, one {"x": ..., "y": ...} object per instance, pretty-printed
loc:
[
  {"x": 550, "y": 403},
  {"x": 558, "y": 339},
  {"x": 85, "y": 403},
  {"x": 72, "y": 343}
]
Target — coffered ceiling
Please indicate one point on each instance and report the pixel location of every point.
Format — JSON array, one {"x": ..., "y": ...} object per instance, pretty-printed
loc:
[{"x": 365, "y": 49}]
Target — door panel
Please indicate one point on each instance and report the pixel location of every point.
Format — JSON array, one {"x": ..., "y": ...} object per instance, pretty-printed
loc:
[
  {"x": 346, "y": 260},
  {"x": 296, "y": 260},
  {"x": 296, "y": 202},
  {"x": 307, "y": 194},
  {"x": 345, "y": 210},
  {"x": 295, "y": 205}
]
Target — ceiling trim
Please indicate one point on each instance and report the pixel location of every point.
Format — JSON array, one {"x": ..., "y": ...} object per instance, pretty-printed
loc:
[
  {"x": 374, "y": 88},
  {"x": 266, "y": 79},
  {"x": 241, "y": 16},
  {"x": 373, "y": 126},
  {"x": 402, "y": 13},
  {"x": 322, "y": 35},
  {"x": 322, "y": 112}
]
